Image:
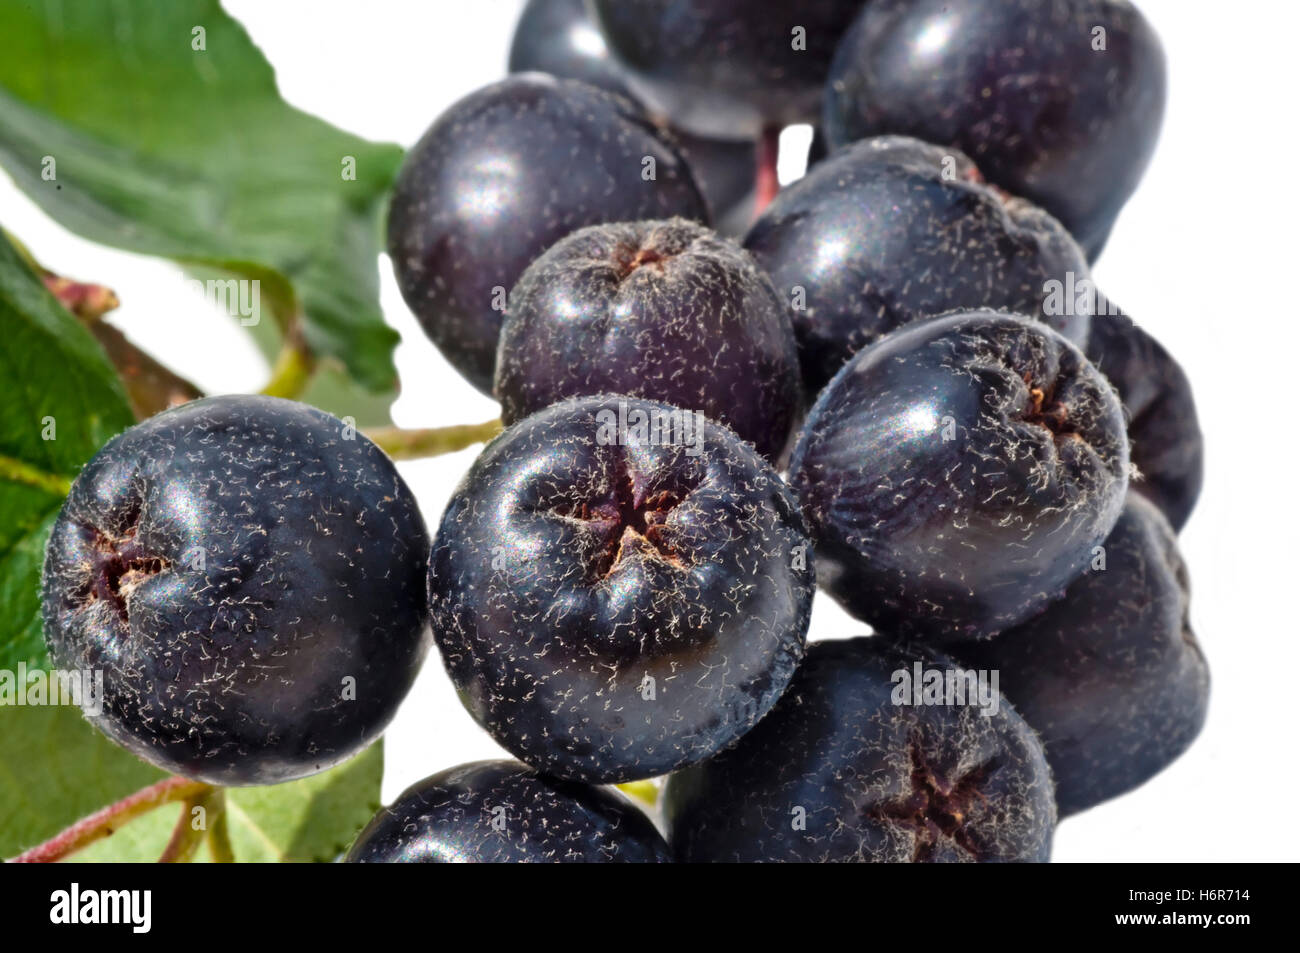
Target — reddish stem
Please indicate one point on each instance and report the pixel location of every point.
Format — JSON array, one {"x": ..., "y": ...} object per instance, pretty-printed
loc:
[
  {"x": 87, "y": 301},
  {"x": 109, "y": 819},
  {"x": 766, "y": 183}
]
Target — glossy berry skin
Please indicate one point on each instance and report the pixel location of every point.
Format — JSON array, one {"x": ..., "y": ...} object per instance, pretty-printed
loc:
[
  {"x": 957, "y": 474},
  {"x": 1020, "y": 87},
  {"x": 868, "y": 779},
  {"x": 611, "y": 607},
  {"x": 726, "y": 170},
  {"x": 1168, "y": 450},
  {"x": 726, "y": 68},
  {"x": 1111, "y": 676},
  {"x": 817, "y": 149},
  {"x": 503, "y": 812},
  {"x": 248, "y": 573},
  {"x": 892, "y": 230},
  {"x": 667, "y": 311},
  {"x": 558, "y": 37},
  {"x": 502, "y": 176}
]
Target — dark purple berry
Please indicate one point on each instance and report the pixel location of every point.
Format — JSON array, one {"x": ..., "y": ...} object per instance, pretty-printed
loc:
[
  {"x": 1110, "y": 676},
  {"x": 1168, "y": 451},
  {"x": 817, "y": 149},
  {"x": 558, "y": 37},
  {"x": 842, "y": 770},
  {"x": 619, "y": 588},
  {"x": 248, "y": 574},
  {"x": 727, "y": 171},
  {"x": 503, "y": 812},
  {"x": 1059, "y": 102},
  {"x": 667, "y": 311},
  {"x": 957, "y": 474},
  {"x": 892, "y": 230},
  {"x": 727, "y": 68},
  {"x": 503, "y": 175}
]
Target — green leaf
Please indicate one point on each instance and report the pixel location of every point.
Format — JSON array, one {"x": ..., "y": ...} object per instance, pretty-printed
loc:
[
  {"x": 54, "y": 770},
  {"x": 308, "y": 821},
  {"x": 123, "y": 131},
  {"x": 60, "y": 401}
]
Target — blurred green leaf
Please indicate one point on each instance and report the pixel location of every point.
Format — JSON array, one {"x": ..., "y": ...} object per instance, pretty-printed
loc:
[
  {"x": 308, "y": 821},
  {"x": 54, "y": 770},
  {"x": 158, "y": 128},
  {"x": 312, "y": 820},
  {"x": 60, "y": 401}
]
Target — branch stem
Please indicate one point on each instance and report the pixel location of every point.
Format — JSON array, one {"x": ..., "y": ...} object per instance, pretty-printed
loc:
[
  {"x": 293, "y": 370},
  {"x": 417, "y": 444},
  {"x": 186, "y": 839},
  {"x": 108, "y": 820},
  {"x": 219, "y": 835},
  {"x": 16, "y": 471},
  {"x": 766, "y": 183}
]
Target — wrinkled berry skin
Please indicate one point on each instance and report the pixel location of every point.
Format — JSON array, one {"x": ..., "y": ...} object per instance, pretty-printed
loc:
[
  {"x": 449, "y": 819},
  {"x": 612, "y": 611},
  {"x": 892, "y": 230},
  {"x": 667, "y": 311},
  {"x": 230, "y": 564},
  {"x": 1168, "y": 450},
  {"x": 1111, "y": 676},
  {"x": 558, "y": 37},
  {"x": 502, "y": 176},
  {"x": 1017, "y": 85},
  {"x": 726, "y": 68},
  {"x": 957, "y": 474},
  {"x": 871, "y": 780}
]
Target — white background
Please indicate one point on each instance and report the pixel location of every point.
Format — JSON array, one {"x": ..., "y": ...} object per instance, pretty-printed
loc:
[{"x": 1203, "y": 257}]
